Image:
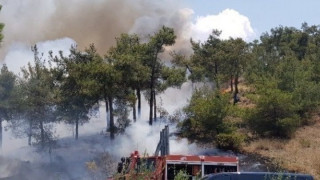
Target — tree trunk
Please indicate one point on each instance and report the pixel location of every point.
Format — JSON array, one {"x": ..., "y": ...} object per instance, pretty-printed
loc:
[
  {"x": 77, "y": 129},
  {"x": 275, "y": 117},
  {"x": 236, "y": 82},
  {"x": 216, "y": 67},
  {"x": 0, "y": 133},
  {"x": 134, "y": 112},
  {"x": 154, "y": 108},
  {"x": 231, "y": 83},
  {"x": 151, "y": 107},
  {"x": 152, "y": 84},
  {"x": 151, "y": 97},
  {"x": 42, "y": 133},
  {"x": 30, "y": 133},
  {"x": 107, "y": 114},
  {"x": 236, "y": 91},
  {"x": 139, "y": 102},
  {"x": 112, "y": 128},
  {"x": 216, "y": 74}
]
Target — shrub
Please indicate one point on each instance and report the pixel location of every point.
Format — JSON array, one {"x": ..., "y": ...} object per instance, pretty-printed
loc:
[
  {"x": 287, "y": 126},
  {"x": 275, "y": 114},
  {"x": 231, "y": 141},
  {"x": 205, "y": 115},
  {"x": 182, "y": 175}
]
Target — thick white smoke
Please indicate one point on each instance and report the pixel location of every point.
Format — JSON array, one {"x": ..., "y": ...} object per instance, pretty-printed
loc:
[
  {"x": 144, "y": 138},
  {"x": 229, "y": 21}
]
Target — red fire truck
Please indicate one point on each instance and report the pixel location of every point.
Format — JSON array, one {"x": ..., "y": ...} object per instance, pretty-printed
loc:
[{"x": 168, "y": 166}]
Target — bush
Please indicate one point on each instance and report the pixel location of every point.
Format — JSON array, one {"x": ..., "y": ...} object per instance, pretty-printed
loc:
[
  {"x": 205, "y": 115},
  {"x": 275, "y": 114},
  {"x": 287, "y": 126},
  {"x": 231, "y": 141},
  {"x": 308, "y": 99},
  {"x": 182, "y": 175}
]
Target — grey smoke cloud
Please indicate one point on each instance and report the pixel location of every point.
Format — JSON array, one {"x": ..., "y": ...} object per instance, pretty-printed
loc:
[
  {"x": 100, "y": 21},
  {"x": 85, "y": 21}
]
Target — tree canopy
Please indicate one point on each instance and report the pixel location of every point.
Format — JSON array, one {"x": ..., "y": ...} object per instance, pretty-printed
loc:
[{"x": 281, "y": 69}]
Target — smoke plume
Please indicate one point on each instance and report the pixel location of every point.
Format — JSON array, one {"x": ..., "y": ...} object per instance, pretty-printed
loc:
[
  {"x": 86, "y": 22},
  {"x": 83, "y": 22}
]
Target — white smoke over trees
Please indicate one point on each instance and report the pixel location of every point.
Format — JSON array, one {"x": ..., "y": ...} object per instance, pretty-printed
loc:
[
  {"x": 229, "y": 21},
  {"x": 94, "y": 21},
  {"x": 100, "y": 21},
  {"x": 57, "y": 24}
]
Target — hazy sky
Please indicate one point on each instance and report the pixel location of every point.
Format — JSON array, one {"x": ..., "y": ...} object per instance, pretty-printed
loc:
[{"x": 263, "y": 14}]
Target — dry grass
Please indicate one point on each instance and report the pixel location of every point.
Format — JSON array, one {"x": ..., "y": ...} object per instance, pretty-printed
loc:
[{"x": 299, "y": 154}]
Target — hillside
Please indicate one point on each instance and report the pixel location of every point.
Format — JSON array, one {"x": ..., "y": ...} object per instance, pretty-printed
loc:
[{"x": 299, "y": 154}]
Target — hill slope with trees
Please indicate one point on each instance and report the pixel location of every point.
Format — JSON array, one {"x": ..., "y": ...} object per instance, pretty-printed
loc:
[{"x": 280, "y": 78}]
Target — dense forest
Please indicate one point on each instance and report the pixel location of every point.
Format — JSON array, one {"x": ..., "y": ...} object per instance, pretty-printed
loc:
[{"x": 280, "y": 72}]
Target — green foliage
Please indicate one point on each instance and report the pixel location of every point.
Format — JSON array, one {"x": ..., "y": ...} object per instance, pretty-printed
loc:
[
  {"x": 232, "y": 141},
  {"x": 181, "y": 175},
  {"x": 172, "y": 77},
  {"x": 275, "y": 114},
  {"x": 161, "y": 76},
  {"x": 75, "y": 95},
  {"x": 285, "y": 72},
  {"x": 207, "y": 59},
  {"x": 122, "y": 114},
  {"x": 205, "y": 115},
  {"x": 283, "y": 68},
  {"x": 141, "y": 68},
  {"x": 36, "y": 100},
  {"x": 307, "y": 98},
  {"x": 7, "y": 85},
  {"x": 216, "y": 60}
]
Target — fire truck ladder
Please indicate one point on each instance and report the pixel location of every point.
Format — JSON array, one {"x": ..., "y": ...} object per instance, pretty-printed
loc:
[{"x": 163, "y": 145}]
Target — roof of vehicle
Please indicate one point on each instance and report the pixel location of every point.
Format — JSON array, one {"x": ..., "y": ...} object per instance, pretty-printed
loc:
[{"x": 190, "y": 158}]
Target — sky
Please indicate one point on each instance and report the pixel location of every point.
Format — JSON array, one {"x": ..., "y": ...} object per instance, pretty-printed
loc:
[
  {"x": 263, "y": 15},
  {"x": 58, "y": 24}
]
